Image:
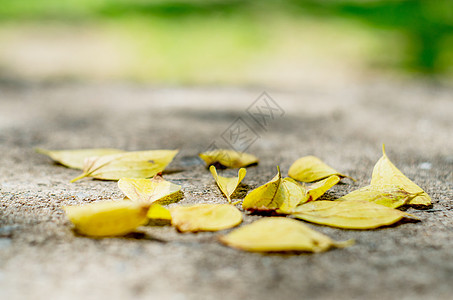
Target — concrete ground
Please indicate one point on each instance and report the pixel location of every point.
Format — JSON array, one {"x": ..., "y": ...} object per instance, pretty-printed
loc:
[{"x": 41, "y": 258}]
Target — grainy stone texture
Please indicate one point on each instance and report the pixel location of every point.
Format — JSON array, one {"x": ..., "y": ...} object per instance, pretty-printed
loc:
[{"x": 41, "y": 258}]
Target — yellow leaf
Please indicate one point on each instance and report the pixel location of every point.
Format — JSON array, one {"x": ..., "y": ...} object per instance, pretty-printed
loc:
[
  {"x": 292, "y": 193},
  {"x": 107, "y": 218},
  {"x": 319, "y": 188},
  {"x": 279, "y": 235},
  {"x": 205, "y": 217},
  {"x": 228, "y": 185},
  {"x": 264, "y": 197},
  {"x": 158, "y": 212},
  {"x": 228, "y": 158},
  {"x": 148, "y": 191},
  {"x": 283, "y": 194},
  {"x": 138, "y": 164},
  {"x": 348, "y": 214},
  {"x": 387, "y": 194},
  {"x": 385, "y": 172},
  {"x": 75, "y": 158},
  {"x": 311, "y": 168}
]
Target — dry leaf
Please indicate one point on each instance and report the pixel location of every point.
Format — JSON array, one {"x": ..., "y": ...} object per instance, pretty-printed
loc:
[
  {"x": 226, "y": 184},
  {"x": 348, "y": 214},
  {"x": 279, "y": 235},
  {"x": 75, "y": 158},
  {"x": 138, "y": 164},
  {"x": 319, "y": 188},
  {"x": 293, "y": 193},
  {"x": 385, "y": 172},
  {"x": 264, "y": 197},
  {"x": 158, "y": 212},
  {"x": 205, "y": 217},
  {"x": 387, "y": 194},
  {"x": 311, "y": 168},
  {"x": 151, "y": 190},
  {"x": 283, "y": 194},
  {"x": 228, "y": 158},
  {"x": 107, "y": 218}
]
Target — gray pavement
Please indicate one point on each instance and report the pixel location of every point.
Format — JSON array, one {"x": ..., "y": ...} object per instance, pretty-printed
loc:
[{"x": 41, "y": 258}]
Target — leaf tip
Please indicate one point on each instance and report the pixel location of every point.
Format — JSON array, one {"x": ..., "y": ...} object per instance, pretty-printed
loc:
[{"x": 41, "y": 151}]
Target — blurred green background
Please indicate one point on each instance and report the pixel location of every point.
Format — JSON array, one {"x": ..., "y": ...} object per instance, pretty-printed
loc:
[{"x": 281, "y": 43}]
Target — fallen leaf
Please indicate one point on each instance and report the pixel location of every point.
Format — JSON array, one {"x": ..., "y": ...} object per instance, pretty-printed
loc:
[
  {"x": 279, "y": 235},
  {"x": 109, "y": 218},
  {"x": 75, "y": 158},
  {"x": 293, "y": 194},
  {"x": 386, "y": 194},
  {"x": 228, "y": 158},
  {"x": 205, "y": 217},
  {"x": 311, "y": 168},
  {"x": 319, "y": 188},
  {"x": 283, "y": 194},
  {"x": 138, "y": 164},
  {"x": 149, "y": 191},
  {"x": 385, "y": 172},
  {"x": 348, "y": 214},
  {"x": 226, "y": 184},
  {"x": 159, "y": 212}
]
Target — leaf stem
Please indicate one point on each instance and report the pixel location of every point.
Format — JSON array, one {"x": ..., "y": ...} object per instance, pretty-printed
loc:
[{"x": 79, "y": 177}]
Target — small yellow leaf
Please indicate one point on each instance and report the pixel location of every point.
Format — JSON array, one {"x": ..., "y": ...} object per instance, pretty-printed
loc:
[
  {"x": 226, "y": 184},
  {"x": 205, "y": 217},
  {"x": 75, "y": 158},
  {"x": 387, "y": 194},
  {"x": 319, "y": 188},
  {"x": 348, "y": 214},
  {"x": 158, "y": 212},
  {"x": 279, "y": 235},
  {"x": 311, "y": 168},
  {"x": 148, "y": 191},
  {"x": 283, "y": 194},
  {"x": 385, "y": 172},
  {"x": 228, "y": 158},
  {"x": 138, "y": 164},
  {"x": 264, "y": 197},
  {"x": 293, "y": 194},
  {"x": 107, "y": 218}
]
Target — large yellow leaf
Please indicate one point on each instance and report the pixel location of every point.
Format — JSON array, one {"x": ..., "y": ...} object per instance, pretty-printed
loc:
[
  {"x": 283, "y": 194},
  {"x": 385, "y": 172},
  {"x": 279, "y": 235},
  {"x": 311, "y": 168},
  {"x": 228, "y": 158},
  {"x": 387, "y": 194},
  {"x": 205, "y": 217},
  {"x": 226, "y": 184},
  {"x": 75, "y": 158},
  {"x": 107, "y": 218},
  {"x": 138, "y": 164},
  {"x": 319, "y": 188},
  {"x": 151, "y": 190},
  {"x": 348, "y": 214}
]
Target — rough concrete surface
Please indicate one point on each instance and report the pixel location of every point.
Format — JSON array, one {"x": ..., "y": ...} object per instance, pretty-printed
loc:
[{"x": 41, "y": 257}]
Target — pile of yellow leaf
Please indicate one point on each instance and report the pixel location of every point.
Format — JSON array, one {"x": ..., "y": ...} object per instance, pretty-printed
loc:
[{"x": 146, "y": 194}]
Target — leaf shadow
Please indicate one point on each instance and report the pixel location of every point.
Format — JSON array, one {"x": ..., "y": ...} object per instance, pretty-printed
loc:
[
  {"x": 241, "y": 191},
  {"x": 136, "y": 235},
  {"x": 172, "y": 171},
  {"x": 173, "y": 198},
  {"x": 139, "y": 235},
  {"x": 158, "y": 223}
]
